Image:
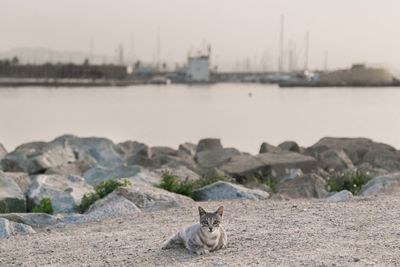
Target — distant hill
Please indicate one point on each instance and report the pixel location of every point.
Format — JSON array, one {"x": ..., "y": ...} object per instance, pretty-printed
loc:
[{"x": 43, "y": 55}]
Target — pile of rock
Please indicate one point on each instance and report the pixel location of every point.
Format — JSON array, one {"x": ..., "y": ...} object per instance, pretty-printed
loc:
[{"x": 68, "y": 167}]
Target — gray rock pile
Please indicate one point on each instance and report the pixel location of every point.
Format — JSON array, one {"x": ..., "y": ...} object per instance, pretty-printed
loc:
[{"x": 69, "y": 166}]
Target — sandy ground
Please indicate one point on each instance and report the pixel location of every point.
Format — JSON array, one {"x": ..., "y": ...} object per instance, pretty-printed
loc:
[{"x": 360, "y": 232}]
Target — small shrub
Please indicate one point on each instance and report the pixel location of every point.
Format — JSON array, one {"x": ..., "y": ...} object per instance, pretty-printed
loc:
[
  {"x": 101, "y": 191},
  {"x": 44, "y": 206},
  {"x": 172, "y": 183},
  {"x": 351, "y": 181},
  {"x": 271, "y": 183}
]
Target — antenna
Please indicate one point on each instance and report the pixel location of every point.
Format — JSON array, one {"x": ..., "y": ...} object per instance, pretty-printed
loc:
[
  {"x": 307, "y": 41},
  {"x": 91, "y": 50},
  {"x": 133, "y": 49},
  {"x": 120, "y": 54},
  {"x": 158, "y": 52},
  {"x": 326, "y": 61},
  {"x": 281, "y": 42}
]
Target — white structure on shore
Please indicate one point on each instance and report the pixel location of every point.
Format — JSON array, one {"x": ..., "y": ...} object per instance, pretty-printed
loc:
[{"x": 198, "y": 69}]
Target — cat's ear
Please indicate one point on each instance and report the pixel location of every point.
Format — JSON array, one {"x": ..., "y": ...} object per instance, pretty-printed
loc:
[
  {"x": 202, "y": 211},
  {"x": 220, "y": 211}
]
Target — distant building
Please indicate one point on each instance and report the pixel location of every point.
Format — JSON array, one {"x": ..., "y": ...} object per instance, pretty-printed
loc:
[
  {"x": 198, "y": 69},
  {"x": 357, "y": 74}
]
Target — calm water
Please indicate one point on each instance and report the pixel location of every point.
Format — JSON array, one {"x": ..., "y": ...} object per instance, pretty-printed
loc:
[{"x": 241, "y": 115}]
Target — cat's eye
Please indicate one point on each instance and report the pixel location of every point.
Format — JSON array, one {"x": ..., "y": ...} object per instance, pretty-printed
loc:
[{"x": 215, "y": 223}]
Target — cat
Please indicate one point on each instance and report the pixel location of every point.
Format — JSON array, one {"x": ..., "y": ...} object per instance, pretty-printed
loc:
[{"x": 203, "y": 237}]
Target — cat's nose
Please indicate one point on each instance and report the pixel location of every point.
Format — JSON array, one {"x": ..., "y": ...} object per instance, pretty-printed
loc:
[{"x": 211, "y": 229}]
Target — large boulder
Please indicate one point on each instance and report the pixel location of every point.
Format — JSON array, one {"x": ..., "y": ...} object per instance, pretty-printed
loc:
[
  {"x": 77, "y": 168},
  {"x": 224, "y": 190},
  {"x": 216, "y": 157},
  {"x": 382, "y": 184},
  {"x": 3, "y": 151},
  {"x": 334, "y": 160},
  {"x": 32, "y": 219},
  {"x": 22, "y": 179},
  {"x": 37, "y": 157},
  {"x": 112, "y": 206},
  {"x": 98, "y": 174},
  {"x": 274, "y": 165},
  {"x": 65, "y": 192},
  {"x": 360, "y": 150},
  {"x": 163, "y": 150},
  {"x": 94, "y": 149},
  {"x": 12, "y": 198},
  {"x": 131, "y": 148},
  {"x": 8, "y": 229},
  {"x": 341, "y": 196},
  {"x": 265, "y": 148},
  {"x": 306, "y": 186},
  {"x": 208, "y": 144},
  {"x": 148, "y": 197},
  {"x": 188, "y": 148},
  {"x": 290, "y": 146}
]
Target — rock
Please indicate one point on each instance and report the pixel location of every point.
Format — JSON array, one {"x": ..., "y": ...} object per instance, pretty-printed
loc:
[
  {"x": 188, "y": 148},
  {"x": 65, "y": 192},
  {"x": 98, "y": 174},
  {"x": 382, "y": 184},
  {"x": 3, "y": 151},
  {"x": 265, "y": 148},
  {"x": 77, "y": 168},
  {"x": 208, "y": 144},
  {"x": 341, "y": 196},
  {"x": 148, "y": 197},
  {"x": 12, "y": 199},
  {"x": 216, "y": 157},
  {"x": 22, "y": 179},
  {"x": 141, "y": 160},
  {"x": 163, "y": 150},
  {"x": 273, "y": 165},
  {"x": 8, "y": 229},
  {"x": 334, "y": 160},
  {"x": 36, "y": 157},
  {"x": 307, "y": 186},
  {"x": 32, "y": 219},
  {"x": 290, "y": 146},
  {"x": 131, "y": 148},
  {"x": 369, "y": 170},
  {"x": 95, "y": 149},
  {"x": 360, "y": 150},
  {"x": 112, "y": 206},
  {"x": 225, "y": 190}
]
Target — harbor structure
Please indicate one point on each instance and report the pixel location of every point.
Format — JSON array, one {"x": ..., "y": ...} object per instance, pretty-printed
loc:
[{"x": 198, "y": 69}]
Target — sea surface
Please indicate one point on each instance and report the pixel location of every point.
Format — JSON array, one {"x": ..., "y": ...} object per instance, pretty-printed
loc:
[{"x": 242, "y": 115}]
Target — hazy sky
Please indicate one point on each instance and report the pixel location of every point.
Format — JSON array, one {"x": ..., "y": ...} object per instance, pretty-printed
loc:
[{"x": 350, "y": 30}]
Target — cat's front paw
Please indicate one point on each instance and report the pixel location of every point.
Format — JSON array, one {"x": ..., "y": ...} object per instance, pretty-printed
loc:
[{"x": 202, "y": 252}]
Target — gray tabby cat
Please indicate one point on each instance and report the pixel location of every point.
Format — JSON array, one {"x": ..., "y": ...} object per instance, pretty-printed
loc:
[{"x": 203, "y": 237}]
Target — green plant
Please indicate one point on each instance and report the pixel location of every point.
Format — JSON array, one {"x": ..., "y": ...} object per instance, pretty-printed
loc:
[
  {"x": 101, "y": 191},
  {"x": 44, "y": 206},
  {"x": 351, "y": 181},
  {"x": 271, "y": 183},
  {"x": 173, "y": 183}
]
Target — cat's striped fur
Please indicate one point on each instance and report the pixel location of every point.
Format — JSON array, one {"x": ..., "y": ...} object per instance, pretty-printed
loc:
[{"x": 203, "y": 237}]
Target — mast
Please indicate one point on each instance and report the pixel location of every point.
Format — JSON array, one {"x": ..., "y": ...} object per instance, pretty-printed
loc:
[
  {"x": 281, "y": 43},
  {"x": 306, "y": 52}
]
